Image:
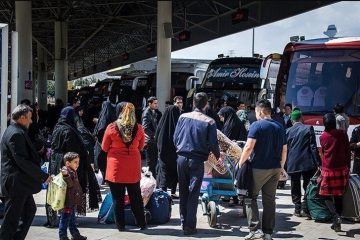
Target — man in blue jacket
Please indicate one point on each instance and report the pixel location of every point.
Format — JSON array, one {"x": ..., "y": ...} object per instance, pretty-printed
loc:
[
  {"x": 195, "y": 137},
  {"x": 303, "y": 159}
]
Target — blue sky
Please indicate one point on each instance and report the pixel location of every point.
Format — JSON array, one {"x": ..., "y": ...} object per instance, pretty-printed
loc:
[{"x": 273, "y": 37}]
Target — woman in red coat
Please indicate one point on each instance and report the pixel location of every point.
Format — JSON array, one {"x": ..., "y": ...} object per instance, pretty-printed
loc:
[
  {"x": 123, "y": 140},
  {"x": 335, "y": 167}
]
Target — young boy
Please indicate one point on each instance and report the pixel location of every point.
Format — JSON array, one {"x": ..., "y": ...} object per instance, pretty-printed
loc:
[{"x": 72, "y": 199}]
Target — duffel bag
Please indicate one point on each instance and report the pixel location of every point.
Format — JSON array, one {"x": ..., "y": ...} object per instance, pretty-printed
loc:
[
  {"x": 160, "y": 207},
  {"x": 315, "y": 203}
]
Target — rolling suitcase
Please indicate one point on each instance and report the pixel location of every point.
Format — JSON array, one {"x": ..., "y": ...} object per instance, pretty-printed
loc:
[{"x": 351, "y": 198}]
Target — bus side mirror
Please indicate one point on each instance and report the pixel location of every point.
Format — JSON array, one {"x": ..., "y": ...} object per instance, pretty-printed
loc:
[
  {"x": 262, "y": 94},
  {"x": 191, "y": 82}
]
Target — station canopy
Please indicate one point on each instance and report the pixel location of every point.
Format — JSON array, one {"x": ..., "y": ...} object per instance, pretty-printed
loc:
[{"x": 104, "y": 34}]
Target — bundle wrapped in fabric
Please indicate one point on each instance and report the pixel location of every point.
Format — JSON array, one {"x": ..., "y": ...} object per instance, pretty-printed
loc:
[
  {"x": 230, "y": 148},
  {"x": 147, "y": 185},
  {"x": 56, "y": 193}
]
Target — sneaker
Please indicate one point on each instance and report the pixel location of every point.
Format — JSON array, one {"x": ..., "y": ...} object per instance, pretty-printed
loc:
[
  {"x": 258, "y": 234},
  {"x": 267, "y": 236}
]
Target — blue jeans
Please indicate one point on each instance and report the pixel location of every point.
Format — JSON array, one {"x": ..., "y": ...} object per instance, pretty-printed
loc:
[{"x": 67, "y": 219}]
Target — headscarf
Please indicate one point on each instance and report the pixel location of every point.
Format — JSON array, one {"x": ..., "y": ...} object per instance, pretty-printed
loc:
[
  {"x": 67, "y": 115},
  {"x": 166, "y": 128},
  {"x": 126, "y": 123},
  {"x": 233, "y": 128},
  {"x": 78, "y": 120}
]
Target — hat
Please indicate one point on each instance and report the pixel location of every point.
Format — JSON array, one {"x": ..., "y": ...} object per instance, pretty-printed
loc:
[{"x": 296, "y": 115}]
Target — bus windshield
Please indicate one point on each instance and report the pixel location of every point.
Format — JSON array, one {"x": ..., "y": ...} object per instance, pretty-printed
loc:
[
  {"x": 231, "y": 76},
  {"x": 319, "y": 79}
]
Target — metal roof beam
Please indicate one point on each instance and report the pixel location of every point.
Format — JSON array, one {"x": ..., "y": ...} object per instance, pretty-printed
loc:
[
  {"x": 96, "y": 31},
  {"x": 195, "y": 24},
  {"x": 46, "y": 50}
]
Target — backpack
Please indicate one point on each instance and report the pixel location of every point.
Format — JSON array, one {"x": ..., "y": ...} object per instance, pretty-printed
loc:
[
  {"x": 160, "y": 207},
  {"x": 315, "y": 203}
]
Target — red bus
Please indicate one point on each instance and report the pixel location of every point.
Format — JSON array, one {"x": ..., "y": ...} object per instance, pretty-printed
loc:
[{"x": 316, "y": 74}]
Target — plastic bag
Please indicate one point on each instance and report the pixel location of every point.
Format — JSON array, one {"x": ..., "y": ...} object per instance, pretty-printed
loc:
[
  {"x": 57, "y": 193},
  {"x": 147, "y": 185}
]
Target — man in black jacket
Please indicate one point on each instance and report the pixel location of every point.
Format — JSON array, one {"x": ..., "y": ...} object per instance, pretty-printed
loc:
[
  {"x": 303, "y": 159},
  {"x": 149, "y": 122},
  {"x": 21, "y": 175}
]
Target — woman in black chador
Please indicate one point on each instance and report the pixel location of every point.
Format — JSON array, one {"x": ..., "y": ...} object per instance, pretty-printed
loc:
[
  {"x": 66, "y": 138},
  {"x": 233, "y": 128},
  {"x": 167, "y": 167},
  {"x": 107, "y": 116}
]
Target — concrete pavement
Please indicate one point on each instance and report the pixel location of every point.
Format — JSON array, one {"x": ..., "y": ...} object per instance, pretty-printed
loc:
[{"x": 231, "y": 224}]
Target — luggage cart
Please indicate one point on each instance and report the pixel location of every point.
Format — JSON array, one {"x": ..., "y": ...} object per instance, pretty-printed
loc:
[{"x": 211, "y": 194}]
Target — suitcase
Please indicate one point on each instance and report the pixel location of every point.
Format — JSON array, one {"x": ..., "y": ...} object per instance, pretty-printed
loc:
[{"x": 351, "y": 198}]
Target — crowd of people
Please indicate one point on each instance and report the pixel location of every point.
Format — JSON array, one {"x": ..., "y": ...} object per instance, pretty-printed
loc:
[{"x": 175, "y": 146}]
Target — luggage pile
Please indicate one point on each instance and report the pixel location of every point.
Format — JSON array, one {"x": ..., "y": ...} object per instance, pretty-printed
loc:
[
  {"x": 157, "y": 210},
  {"x": 157, "y": 204},
  {"x": 316, "y": 204}
]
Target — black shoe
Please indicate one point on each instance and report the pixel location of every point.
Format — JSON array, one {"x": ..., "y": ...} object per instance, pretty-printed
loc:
[
  {"x": 174, "y": 196},
  {"x": 64, "y": 238},
  {"x": 48, "y": 225},
  {"x": 297, "y": 213},
  {"x": 121, "y": 229},
  {"x": 336, "y": 226},
  {"x": 143, "y": 228},
  {"x": 78, "y": 237},
  {"x": 189, "y": 231},
  {"x": 304, "y": 213}
]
